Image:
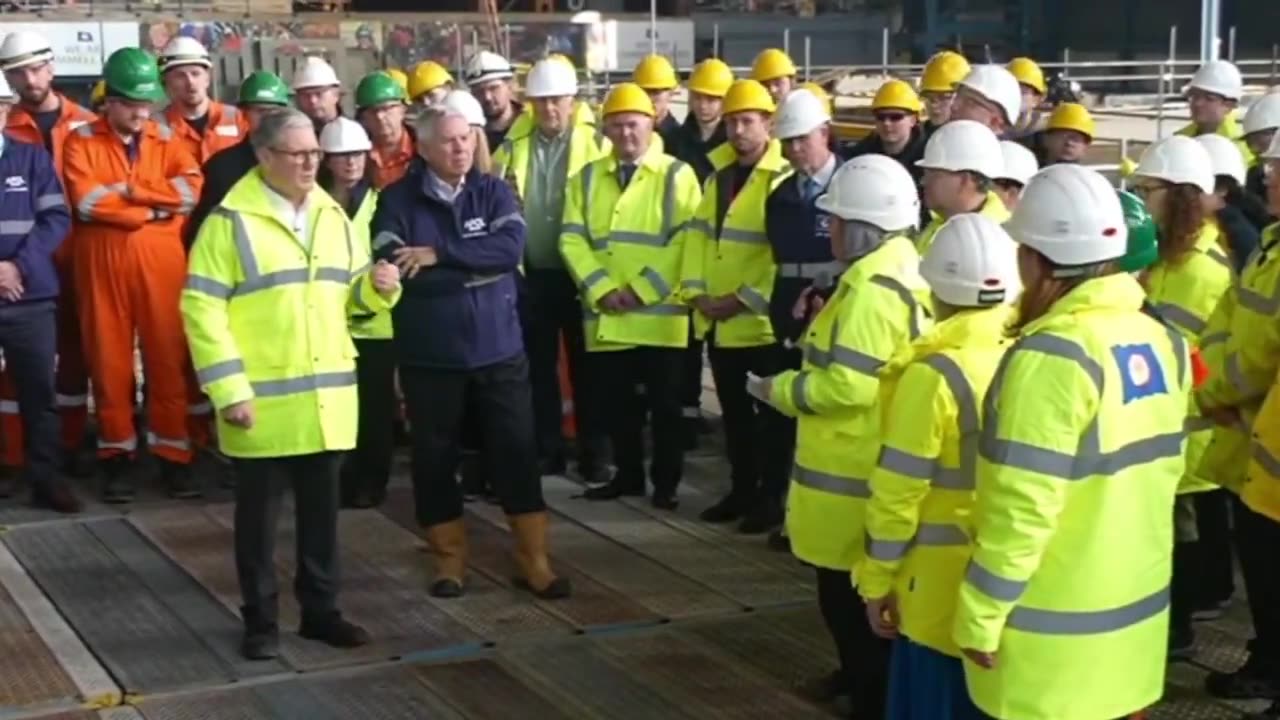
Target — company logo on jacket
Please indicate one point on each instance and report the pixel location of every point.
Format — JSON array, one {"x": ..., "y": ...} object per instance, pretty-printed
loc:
[
  {"x": 15, "y": 183},
  {"x": 472, "y": 227}
]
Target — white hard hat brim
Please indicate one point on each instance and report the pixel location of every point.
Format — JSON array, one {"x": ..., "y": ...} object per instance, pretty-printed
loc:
[
  {"x": 1228, "y": 93},
  {"x": 26, "y": 60},
  {"x": 490, "y": 76}
]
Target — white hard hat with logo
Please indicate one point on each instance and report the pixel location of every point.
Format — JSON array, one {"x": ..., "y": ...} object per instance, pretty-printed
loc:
[
  {"x": 1218, "y": 77},
  {"x": 1263, "y": 114},
  {"x": 964, "y": 145},
  {"x": 800, "y": 113},
  {"x": 997, "y": 85},
  {"x": 972, "y": 263},
  {"x": 22, "y": 48},
  {"x": 315, "y": 72},
  {"x": 184, "y": 51},
  {"x": 551, "y": 78},
  {"x": 1019, "y": 163},
  {"x": 485, "y": 66},
  {"x": 466, "y": 104},
  {"x": 874, "y": 189},
  {"x": 1071, "y": 215},
  {"x": 1180, "y": 160},
  {"x": 344, "y": 135},
  {"x": 1224, "y": 157}
]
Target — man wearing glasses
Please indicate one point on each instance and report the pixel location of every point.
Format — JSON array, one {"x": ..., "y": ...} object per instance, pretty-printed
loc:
[{"x": 898, "y": 133}]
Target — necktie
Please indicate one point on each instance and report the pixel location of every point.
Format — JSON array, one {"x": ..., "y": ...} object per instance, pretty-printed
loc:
[
  {"x": 624, "y": 175},
  {"x": 811, "y": 189}
]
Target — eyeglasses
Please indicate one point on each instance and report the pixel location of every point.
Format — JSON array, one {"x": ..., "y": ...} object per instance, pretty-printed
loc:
[
  {"x": 300, "y": 156},
  {"x": 890, "y": 117}
]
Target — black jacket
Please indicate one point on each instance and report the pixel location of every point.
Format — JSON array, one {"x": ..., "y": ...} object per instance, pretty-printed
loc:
[
  {"x": 221, "y": 171},
  {"x": 684, "y": 142},
  {"x": 1254, "y": 200},
  {"x": 1242, "y": 236},
  {"x": 907, "y": 157}
]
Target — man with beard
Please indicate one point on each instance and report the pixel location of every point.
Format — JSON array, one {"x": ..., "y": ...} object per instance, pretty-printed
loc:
[{"x": 489, "y": 76}]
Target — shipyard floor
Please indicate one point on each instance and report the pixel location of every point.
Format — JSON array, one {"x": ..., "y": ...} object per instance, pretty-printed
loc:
[{"x": 131, "y": 614}]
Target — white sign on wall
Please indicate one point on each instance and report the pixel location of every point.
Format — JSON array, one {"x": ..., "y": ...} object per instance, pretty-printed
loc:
[
  {"x": 623, "y": 43},
  {"x": 80, "y": 48}
]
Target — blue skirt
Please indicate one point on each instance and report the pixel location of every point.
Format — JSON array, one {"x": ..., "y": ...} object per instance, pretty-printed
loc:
[{"x": 925, "y": 684}]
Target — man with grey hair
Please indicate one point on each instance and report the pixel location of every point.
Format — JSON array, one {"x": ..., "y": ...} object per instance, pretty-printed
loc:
[
  {"x": 458, "y": 237},
  {"x": 274, "y": 276}
]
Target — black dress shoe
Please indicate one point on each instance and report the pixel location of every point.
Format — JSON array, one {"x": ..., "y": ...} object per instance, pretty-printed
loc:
[
  {"x": 664, "y": 500},
  {"x": 761, "y": 518},
  {"x": 729, "y": 509},
  {"x": 180, "y": 481},
  {"x": 779, "y": 542},
  {"x": 261, "y": 643},
  {"x": 334, "y": 631},
  {"x": 117, "y": 488},
  {"x": 56, "y": 496},
  {"x": 614, "y": 490},
  {"x": 446, "y": 588}
]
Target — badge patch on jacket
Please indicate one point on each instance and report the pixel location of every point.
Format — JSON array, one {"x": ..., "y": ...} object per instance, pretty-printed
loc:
[
  {"x": 15, "y": 183},
  {"x": 474, "y": 226},
  {"x": 1140, "y": 372}
]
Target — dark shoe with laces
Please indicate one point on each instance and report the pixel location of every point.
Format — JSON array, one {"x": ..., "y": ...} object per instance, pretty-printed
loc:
[
  {"x": 117, "y": 488},
  {"x": 180, "y": 480},
  {"x": 764, "y": 516},
  {"x": 58, "y": 497},
  {"x": 334, "y": 631}
]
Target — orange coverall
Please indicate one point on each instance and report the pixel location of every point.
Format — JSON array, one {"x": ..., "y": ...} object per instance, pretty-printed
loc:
[
  {"x": 72, "y": 378},
  {"x": 131, "y": 269},
  {"x": 389, "y": 167}
]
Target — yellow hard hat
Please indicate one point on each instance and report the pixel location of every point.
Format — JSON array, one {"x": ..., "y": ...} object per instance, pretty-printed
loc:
[
  {"x": 99, "y": 94},
  {"x": 561, "y": 57},
  {"x": 772, "y": 64},
  {"x": 897, "y": 94},
  {"x": 820, "y": 93},
  {"x": 400, "y": 77},
  {"x": 427, "y": 76},
  {"x": 654, "y": 72},
  {"x": 1072, "y": 116},
  {"x": 628, "y": 97},
  {"x": 748, "y": 95},
  {"x": 711, "y": 77},
  {"x": 1028, "y": 73},
  {"x": 943, "y": 71}
]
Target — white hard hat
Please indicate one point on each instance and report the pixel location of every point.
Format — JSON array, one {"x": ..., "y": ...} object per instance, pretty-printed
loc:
[
  {"x": 315, "y": 72},
  {"x": 998, "y": 85},
  {"x": 344, "y": 135},
  {"x": 1218, "y": 77},
  {"x": 1180, "y": 160},
  {"x": 1224, "y": 157},
  {"x": 6, "y": 92},
  {"x": 1071, "y": 215},
  {"x": 183, "y": 51},
  {"x": 964, "y": 145},
  {"x": 485, "y": 66},
  {"x": 551, "y": 78},
  {"x": 972, "y": 262},
  {"x": 874, "y": 189},
  {"x": 463, "y": 102},
  {"x": 1263, "y": 114},
  {"x": 22, "y": 48},
  {"x": 1019, "y": 163},
  {"x": 800, "y": 113}
]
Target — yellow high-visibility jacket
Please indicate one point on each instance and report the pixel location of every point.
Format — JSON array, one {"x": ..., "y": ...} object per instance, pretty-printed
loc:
[
  {"x": 266, "y": 316},
  {"x": 922, "y": 489},
  {"x": 1081, "y": 454},
  {"x": 363, "y": 325},
  {"x": 993, "y": 208},
  {"x": 511, "y": 159},
  {"x": 1232, "y": 130}
]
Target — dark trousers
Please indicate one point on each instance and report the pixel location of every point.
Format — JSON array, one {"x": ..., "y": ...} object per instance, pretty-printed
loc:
[
  {"x": 1216, "y": 571},
  {"x": 496, "y": 397},
  {"x": 368, "y": 467},
  {"x": 28, "y": 335},
  {"x": 260, "y": 484},
  {"x": 691, "y": 380},
  {"x": 551, "y": 308},
  {"x": 658, "y": 370},
  {"x": 761, "y": 441},
  {"x": 1257, "y": 538},
  {"x": 864, "y": 657}
]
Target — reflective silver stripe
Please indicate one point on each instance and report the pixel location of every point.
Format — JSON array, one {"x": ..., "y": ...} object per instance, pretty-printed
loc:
[
  {"x": 294, "y": 276},
  {"x": 16, "y": 227},
  {"x": 666, "y": 309},
  {"x": 905, "y": 295},
  {"x": 669, "y": 229},
  {"x": 200, "y": 408},
  {"x": 887, "y": 550},
  {"x": 208, "y": 286},
  {"x": 1258, "y": 303},
  {"x": 702, "y": 226},
  {"x": 52, "y": 200},
  {"x": 992, "y": 585},
  {"x": 1235, "y": 376},
  {"x": 595, "y": 277},
  {"x": 186, "y": 194},
  {"x": 587, "y": 174},
  {"x": 1221, "y": 257},
  {"x": 219, "y": 371},
  {"x": 1213, "y": 339},
  {"x": 573, "y": 229},
  {"x": 240, "y": 236},
  {"x": 1263, "y": 457},
  {"x": 154, "y": 440},
  {"x": 357, "y": 299},
  {"x": 831, "y": 483},
  {"x": 965, "y": 476},
  {"x": 70, "y": 401},
  {"x": 90, "y": 201},
  {"x": 514, "y": 217},
  {"x": 482, "y": 280},
  {"x": 85, "y": 130},
  {"x": 166, "y": 132},
  {"x": 855, "y": 360},
  {"x": 630, "y": 237},
  {"x": 1088, "y": 622},
  {"x": 927, "y": 535},
  {"x": 334, "y": 274},
  {"x": 754, "y": 237},
  {"x": 1182, "y": 317},
  {"x": 905, "y": 463},
  {"x": 385, "y": 238},
  {"x": 810, "y": 270},
  {"x": 309, "y": 383},
  {"x": 694, "y": 285},
  {"x": 659, "y": 284},
  {"x": 1197, "y": 422},
  {"x": 798, "y": 397},
  {"x": 754, "y": 301},
  {"x": 127, "y": 445}
]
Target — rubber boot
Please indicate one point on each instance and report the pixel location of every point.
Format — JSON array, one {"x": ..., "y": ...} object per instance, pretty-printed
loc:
[
  {"x": 536, "y": 575},
  {"x": 448, "y": 544}
]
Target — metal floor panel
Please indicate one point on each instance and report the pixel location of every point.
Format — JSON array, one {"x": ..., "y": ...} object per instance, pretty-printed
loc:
[
  {"x": 484, "y": 689},
  {"x": 231, "y": 704},
  {"x": 294, "y": 700},
  {"x": 708, "y": 685},
  {"x": 762, "y": 642},
  {"x": 29, "y": 672},
  {"x": 211, "y": 621},
  {"x": 1215, "y": 650},
  {"x": 632, "y": 575},
  {"x": 140, "y": 641},
  {"x": 750, "y": 583},
  {"x": 384, "y": 695},
  {"x": 1185, "y": 699},
  {"x": 492, "y": 611}
]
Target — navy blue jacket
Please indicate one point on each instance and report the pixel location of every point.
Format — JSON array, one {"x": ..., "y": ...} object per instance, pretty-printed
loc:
[
  {"x": 800, "y": 236},
  {"x": 34, "y": 217},
  {"x": 459, "y": 314}
]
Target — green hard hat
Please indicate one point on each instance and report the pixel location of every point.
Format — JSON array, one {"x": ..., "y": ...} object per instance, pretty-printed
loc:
[
  {"x": 262, "y": 87},
  {"x": 377, "y": 88},
  {"x": 1143, "y": 249},
  {"x": 132, "y": 74}
]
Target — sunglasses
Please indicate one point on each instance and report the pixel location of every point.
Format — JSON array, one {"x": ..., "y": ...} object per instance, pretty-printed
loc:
[{"x": 890, "y": 117}]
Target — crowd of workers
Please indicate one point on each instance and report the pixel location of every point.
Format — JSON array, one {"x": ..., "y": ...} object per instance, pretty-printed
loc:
[{"x": 1017, "y": 421}]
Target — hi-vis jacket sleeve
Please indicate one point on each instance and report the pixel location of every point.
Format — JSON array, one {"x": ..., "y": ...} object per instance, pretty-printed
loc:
[
  {"x": 365, "y": 298},
  {"x": 178, "y": 189},
  {"x": 214, "y": 263},
  {"x": 655, "y": 284},
  {"x": 1045, "y": 404},
  {"x": 865, "y": 340},
  {"x": 94, "y": 199},
  {"x": 915, "y": 423},
  {"x": 52, "y": 216},
  {"x": 696, "y": 239},
  {"x": 1241, "y": 371},
  {"x": 591, "y": 276}
]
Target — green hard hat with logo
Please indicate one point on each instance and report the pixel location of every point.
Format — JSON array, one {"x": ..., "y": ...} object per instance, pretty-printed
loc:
[
  {"x": 132, "y": 74},
  {"x": 1143, "y": 249},
  {"x": 377, "y": 88},
  {"x": 263, "y": 87}
]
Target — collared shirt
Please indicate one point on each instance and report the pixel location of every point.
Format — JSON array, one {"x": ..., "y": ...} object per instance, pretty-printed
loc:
[
  {"x": 442, "y": 189},
  {"x": 293, "y": 216},
  {"x": 544, "y": 198},
  {"x": 389, "y": 165},
  {"x": 819, "y": 179}
]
